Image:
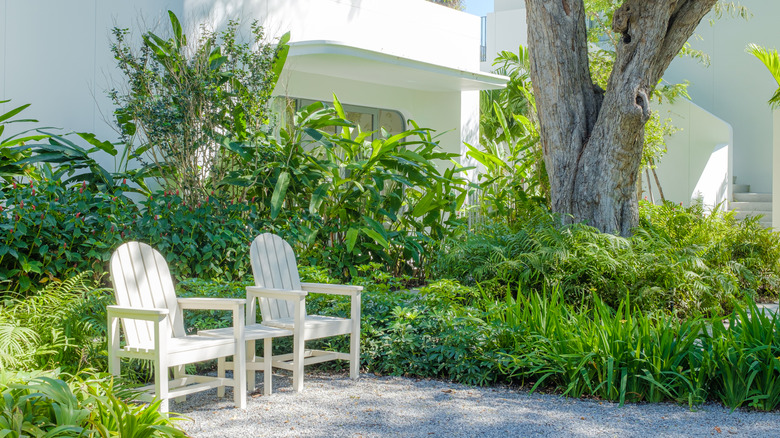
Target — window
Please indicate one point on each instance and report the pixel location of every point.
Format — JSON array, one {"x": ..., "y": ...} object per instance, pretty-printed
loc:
[{"x": 367, "y": 118}]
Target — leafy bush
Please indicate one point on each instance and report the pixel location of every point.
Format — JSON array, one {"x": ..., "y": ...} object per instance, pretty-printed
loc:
[
  {"x": 50, "y": 231},
  {"x": 679, "y": 259},
  {"x": 346, "y": 199},
  {"x": 209, "y": 239},
  {"x": 43, "y": 404},
  {"x": 186, "y": 102},
  {"x": 744, "y": 359},
  {"x": 620, "y": 355}
]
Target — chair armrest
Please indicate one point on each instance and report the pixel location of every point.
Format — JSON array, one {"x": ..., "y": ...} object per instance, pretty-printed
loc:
[
  {"x": 211, "y": 303},
  {"x": 332, "y": 289},
  {"x": 283, "y": 294},
  {"x": 154, "y": 315}
]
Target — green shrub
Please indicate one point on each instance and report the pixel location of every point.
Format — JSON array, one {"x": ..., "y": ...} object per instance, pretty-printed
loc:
[
  {"x": 50, "y": 231},
  {"x": 208, "y": 240},
  {"x": 355, "y": 198},
  {"x": 187, "y": 102},
  {"x": 620, "y": 355},
  {"x": 62, "y": 326},
  {"x": 42, "y": 404},
  {"x": 679, "y": 260}
]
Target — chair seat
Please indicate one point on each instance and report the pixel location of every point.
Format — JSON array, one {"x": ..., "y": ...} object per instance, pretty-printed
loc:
[
  {"x": 188, "y": 349},
  {"x": 315, "y": 326},
  {"x": 252, "y": 332}
]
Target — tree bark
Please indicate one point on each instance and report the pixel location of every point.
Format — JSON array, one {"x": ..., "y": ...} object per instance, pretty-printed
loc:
[{"x": 591, "y": 139}]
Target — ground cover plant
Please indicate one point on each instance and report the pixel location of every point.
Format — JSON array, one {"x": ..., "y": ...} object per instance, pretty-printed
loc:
[
  {"x": 679, "y": 260},
  {"x": 92, "y": 405}
]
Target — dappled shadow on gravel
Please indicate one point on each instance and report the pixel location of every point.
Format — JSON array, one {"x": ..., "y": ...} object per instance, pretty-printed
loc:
[{"x": 332, "y": 405}]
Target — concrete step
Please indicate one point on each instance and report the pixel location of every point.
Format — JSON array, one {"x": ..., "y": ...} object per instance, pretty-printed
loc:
[
  {"x": 751, "y": 206},
  {"x": 752, "y": 197},
  {"x": 740, "y": 188},
  {"x": 765, "y": 215}
]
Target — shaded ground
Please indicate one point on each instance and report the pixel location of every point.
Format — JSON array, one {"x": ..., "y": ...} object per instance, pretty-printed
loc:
[{"x": 334, "y": 406}]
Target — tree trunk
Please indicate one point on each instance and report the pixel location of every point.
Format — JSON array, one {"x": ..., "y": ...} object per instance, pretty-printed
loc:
[{"x": 592, "y": 140}]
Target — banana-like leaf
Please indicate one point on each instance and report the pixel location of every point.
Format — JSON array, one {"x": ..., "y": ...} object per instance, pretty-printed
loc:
[
  {"x": 280, "y": 190},
  {"x": 352, "y": 235}
]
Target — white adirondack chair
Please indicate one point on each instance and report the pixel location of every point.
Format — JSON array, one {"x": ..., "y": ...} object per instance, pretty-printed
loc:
[
  {"x": 282, "y": 299},
  {"x": 153, "y": 326}
]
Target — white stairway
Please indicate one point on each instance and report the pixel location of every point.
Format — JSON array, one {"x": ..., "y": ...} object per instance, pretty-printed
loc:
[{"x": 745, "y": 203}]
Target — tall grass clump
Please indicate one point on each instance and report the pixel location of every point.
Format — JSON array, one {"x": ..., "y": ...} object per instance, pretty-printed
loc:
[
  {"x": 744, "y": 359},
  {"x": 619, "y": 355}
]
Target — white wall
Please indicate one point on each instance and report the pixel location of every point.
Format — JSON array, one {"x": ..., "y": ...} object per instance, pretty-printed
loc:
[
  {"x": 736, "y": 86},
  {"x": 696, "y": 164},
  {"x": 414, "y": 29},
  {"x": 506, "y": 30},
  {"x": 55, "y": 55}
]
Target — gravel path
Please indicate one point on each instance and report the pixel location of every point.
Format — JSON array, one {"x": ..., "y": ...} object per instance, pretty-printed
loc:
[{"x": 334, "y": 406}]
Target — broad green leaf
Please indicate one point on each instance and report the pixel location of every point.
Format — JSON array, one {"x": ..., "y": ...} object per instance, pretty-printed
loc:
[
  {"x": 352, "y": 235},
  {"x": 376, "y": 236},
  {"x": 280, "y": 190},
  {"x": 13, "y": 112},
  {"x": 179, "y": 37},
  {"x": 105, "y": 146}
]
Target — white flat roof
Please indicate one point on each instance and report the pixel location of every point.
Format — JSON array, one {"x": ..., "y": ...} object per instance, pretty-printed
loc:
[{"x": 333, "y": 58}]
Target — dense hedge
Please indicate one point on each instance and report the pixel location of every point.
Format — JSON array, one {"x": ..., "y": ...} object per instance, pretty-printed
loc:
[{"x": 50, "y": 231}]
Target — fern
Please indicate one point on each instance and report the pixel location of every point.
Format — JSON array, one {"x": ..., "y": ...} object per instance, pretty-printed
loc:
[{"x": 56, "y": 327}]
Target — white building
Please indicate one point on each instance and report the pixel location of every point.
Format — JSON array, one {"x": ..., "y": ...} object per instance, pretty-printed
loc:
[
  {"x": 504, "y": 30},
  {"x": 735, "y": 89},
  {"x": 388, "y": 60}
]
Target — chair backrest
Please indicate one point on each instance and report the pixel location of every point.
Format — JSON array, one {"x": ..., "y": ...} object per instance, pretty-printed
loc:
[
  {"x": 142, "y": 280},
  {"x": 274, "y": 266}
]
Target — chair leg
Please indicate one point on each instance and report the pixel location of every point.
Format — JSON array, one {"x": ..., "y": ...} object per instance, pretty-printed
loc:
[
  {"x": 114, "y": 364},
  {"x": 179, "y": 372},
  {"x": 354, "y": 355},
  {"x": 251, "y": 355},
  {"x": 239, "y": 374},
  {"x": 267, "y": 365},
  {"x": 298, "y": 351},
  {"x": 221, "y": 365},
  {"x": 161, "y": 383}
]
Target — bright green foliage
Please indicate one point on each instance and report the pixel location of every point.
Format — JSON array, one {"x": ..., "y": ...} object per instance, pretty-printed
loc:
[
  {"x": 679, "y": 260},
  {"x": 49, "y": 230},
  {"x": 618, "y": 355},
  {"x": 10, "y": 155},
  {"x": 352, "y": 198},
  {"x": 512, "y": 167},
  {"x": 61, "y": 326},
  {"x": 186, "y": 102},
  {"x": 771, "y": 60},
  {"x": 744, "y": 359},
  {"x": 41, "y": 404},
  {"x": 208, "y": 239}
]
